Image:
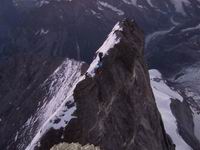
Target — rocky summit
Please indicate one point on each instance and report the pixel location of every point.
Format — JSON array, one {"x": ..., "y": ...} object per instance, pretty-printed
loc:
[{"x": 115, "y": 106}]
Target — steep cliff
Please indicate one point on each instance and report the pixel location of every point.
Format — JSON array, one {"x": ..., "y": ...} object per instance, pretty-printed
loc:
[{"x": 115, "y": 106}]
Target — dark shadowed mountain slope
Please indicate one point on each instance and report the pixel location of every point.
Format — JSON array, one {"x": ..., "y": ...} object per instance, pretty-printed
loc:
[
  {"x": 76, "y": 28},
  {"x": 116, "y": 109}
]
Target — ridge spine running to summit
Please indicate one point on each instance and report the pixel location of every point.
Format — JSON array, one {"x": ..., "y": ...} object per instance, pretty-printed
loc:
[{"x": 115, "y": 109}]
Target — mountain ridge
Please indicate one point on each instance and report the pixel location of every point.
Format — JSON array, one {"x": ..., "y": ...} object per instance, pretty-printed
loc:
[
  {"x": 117, "y": 104},
  {"x": 34, "y": 41}
]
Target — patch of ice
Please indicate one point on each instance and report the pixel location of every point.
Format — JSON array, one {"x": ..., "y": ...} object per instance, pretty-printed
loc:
[
  {"x": 140, "y": 6},
  {"x": 150, "y": 3},
  {"x": 178, "y": 4},
  {"x": 130, "y": 2},
  {"x": 190, "y": 77},
  {"x": 164, "y": 95},
  {"x": 113, "y": 8},
  {"x": 93, "y": 12},
  {"x": 196, "y": 119},
  {"x": 196, "y": 112},
  {"x": 28, "y": 121},
  {"x": 192, "y": 28},
  {"x": 174, "y": 22},
  {"x": 154, "y": 35},
  {"x": 43, "y": 31},
  {"x": 43, "y": 2},
  {"x": 16, "y": 136},
  {"x": 134, "y": 2},
  {"x": 162, "y": 86},
  {"x": 190, "y": 93}
]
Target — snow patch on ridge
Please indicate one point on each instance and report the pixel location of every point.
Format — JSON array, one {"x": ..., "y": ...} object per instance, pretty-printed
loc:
[
  {"x": 164, "y": 95},
  {"x": 59, "y": 106},
  {"x": 111, "y": 41}
]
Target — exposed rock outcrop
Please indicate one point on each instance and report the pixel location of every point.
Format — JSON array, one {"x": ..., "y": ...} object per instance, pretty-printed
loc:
[
  {"x": 74, "y": 146},
  {"x": 116, "y": 108}
]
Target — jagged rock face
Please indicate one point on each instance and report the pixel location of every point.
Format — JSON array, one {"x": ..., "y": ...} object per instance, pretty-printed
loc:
[{"x": 116, "y": 108}]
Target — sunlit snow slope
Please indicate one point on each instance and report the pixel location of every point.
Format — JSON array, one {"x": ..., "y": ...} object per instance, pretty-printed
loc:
[
  {"x": 164, "y": 95},
  {"x": 58, "y": 106}
]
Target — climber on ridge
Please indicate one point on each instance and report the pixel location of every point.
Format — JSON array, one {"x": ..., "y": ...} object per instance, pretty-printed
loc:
[
  {"x": 97, "y": 69},
  {"x": 100, "y": 59},
  {"x": 99, "y": 65}
]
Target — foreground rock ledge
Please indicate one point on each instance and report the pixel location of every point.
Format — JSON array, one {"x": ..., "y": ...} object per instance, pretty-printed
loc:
[{"x": 74, "y": 146}]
